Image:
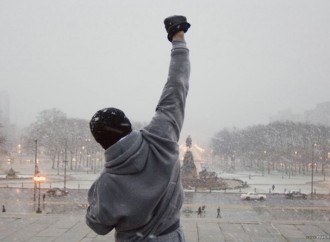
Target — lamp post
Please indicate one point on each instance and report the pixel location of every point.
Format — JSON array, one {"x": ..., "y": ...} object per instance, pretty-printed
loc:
[
  {"x": 96, "y": 164},
  {"x": 39, "y": 179},
  {"x": 290, "y": 169},
  {"x": 87, "y": 150},
  {"x": 250, "y": 169},
  {"x": 19, "y": 147},
  {"x": 82, "y": 154},
  {"x": 295, "y": 162},
  {"x": 312, "y": 166},
  {"x": 36, "y": 171},
  {"x": 325, "y": 168},
  {"x": 65, "y": 162}
]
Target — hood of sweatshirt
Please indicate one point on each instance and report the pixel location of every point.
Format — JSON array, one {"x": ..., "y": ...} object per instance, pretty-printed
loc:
[{"x": 128, "y": 155}]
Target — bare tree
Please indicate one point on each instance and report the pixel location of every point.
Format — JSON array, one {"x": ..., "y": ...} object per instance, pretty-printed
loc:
[
  {"x": 2, "y": 141},
  {"x": 279, "y": 145}
]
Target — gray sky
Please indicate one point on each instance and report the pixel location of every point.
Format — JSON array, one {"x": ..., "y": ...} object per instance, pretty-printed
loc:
[{"x": 250, "y": 59}]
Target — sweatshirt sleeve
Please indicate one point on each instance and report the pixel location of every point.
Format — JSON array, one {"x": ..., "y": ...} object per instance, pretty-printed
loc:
[
  {"x": 168, "y": 119},
  {"x": 93, "y": 218}
]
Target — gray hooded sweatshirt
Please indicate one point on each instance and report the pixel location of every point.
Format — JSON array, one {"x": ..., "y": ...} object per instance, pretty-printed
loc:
[{"x": 139, "y": 192}]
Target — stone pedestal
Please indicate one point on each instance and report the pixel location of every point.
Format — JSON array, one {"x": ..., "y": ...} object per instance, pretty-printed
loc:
[{"x": 188, "y": 169}]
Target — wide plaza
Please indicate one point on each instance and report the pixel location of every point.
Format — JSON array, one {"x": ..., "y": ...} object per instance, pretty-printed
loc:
[{"x": 276, "y": 219}]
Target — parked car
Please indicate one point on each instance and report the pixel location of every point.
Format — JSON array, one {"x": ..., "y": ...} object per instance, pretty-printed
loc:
[
  {"x": 56, "y": 192},
  {"x": 295, "y": 194},
  {"x": 253, "y": 196}
]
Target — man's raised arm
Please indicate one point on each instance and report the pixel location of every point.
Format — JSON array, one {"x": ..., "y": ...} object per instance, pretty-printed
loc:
[{"x": 169, "y": 116}]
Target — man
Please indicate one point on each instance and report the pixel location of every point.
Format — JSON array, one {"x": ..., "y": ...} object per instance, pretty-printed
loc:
[
  {"x": 218, "y": 212},
  {"x": 139, "y": 192}
]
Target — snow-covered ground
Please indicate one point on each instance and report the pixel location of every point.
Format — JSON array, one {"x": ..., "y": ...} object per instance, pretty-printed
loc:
[
  {"x": 263, "y": 184},
  {"x": 54, "y": 178},
  {"x": 84, "y": 178}
]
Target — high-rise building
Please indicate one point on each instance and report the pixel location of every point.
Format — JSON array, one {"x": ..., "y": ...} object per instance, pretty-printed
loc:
[
  {"x": 287, "y": 115},
  {"x": 319, "y": 115}
]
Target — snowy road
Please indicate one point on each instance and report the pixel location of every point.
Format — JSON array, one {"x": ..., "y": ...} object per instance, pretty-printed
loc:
[{"x": 276, "y": 207}]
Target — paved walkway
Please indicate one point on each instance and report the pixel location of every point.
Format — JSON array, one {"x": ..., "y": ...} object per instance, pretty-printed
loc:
[
  {"x": 254, "y": 227},
  {"x": 62, "y": 228}
]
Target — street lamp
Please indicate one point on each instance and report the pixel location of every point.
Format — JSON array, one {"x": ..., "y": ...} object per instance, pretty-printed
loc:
[
  {"x": 312, "y": 166},
  {"x": 97, "y": 161},
  {"x": 87, "y": 150},
  {"x": 74, "y": 160},
  {"x": 267, "y": 161},
  {"x": 312, "y": 177},
  {"x": 36, "y": 170},
  {"x": 65, "y": 163},
  {"x": 39, "y": 179},
  {"x": 295, "y": 162},
  {"x": 82, "y": 154},
  {"x": 290, "y": 169},
  {"x": 19, "y": 152}
]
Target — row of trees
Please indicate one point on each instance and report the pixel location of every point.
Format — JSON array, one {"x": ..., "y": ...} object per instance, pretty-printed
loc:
[
  {"x": 276, "y": 146},
  {"x": 62, "y": 139},
  {"x": 281, "y": 146},
  {"x": 2, "y": 140}
]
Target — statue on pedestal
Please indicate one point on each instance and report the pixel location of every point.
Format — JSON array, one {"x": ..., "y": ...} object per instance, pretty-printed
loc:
[{"x": 188, "y": 142}]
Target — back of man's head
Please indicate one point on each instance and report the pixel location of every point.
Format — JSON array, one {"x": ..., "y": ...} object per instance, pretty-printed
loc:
[{"x": 109, "y": 125}]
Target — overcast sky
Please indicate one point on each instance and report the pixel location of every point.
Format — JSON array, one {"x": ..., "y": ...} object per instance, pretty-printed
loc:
[{"x": 250, "y": 59}]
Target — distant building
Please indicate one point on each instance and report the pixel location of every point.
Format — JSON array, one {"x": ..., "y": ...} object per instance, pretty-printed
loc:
[
  {"x": 319, "y": 115},
  {"x": 288, "y": 115}
]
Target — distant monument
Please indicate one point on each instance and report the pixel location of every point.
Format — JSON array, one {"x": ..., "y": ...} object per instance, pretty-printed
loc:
[
  {"x": 188, "y": 169},
  {"x": 204, "y": 179},
  {"x": 188, "y": 142},
  {"x": 208, "y": 177},
  {"x": 11, "y": 174}
]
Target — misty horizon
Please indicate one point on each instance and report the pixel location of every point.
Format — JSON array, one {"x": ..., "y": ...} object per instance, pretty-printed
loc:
[
  {"x": 200, "y": 138},
  {"x": 249, "y": 60}
]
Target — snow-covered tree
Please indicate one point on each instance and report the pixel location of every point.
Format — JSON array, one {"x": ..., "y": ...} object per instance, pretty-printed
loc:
[
  {"x": 285, "y": 146},
  {"x": 2, "y": 141}
]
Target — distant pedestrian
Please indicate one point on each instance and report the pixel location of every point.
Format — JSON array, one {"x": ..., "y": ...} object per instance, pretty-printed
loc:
[
  {"x": 199, "y": 211},
  {"x": 44, "y": 197},
  {"x": 273, "y": 187},
  {"x": 218, "y": 212},
  {"x": 203, "y": 210},
  {"x": 3, "y": 208}
]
